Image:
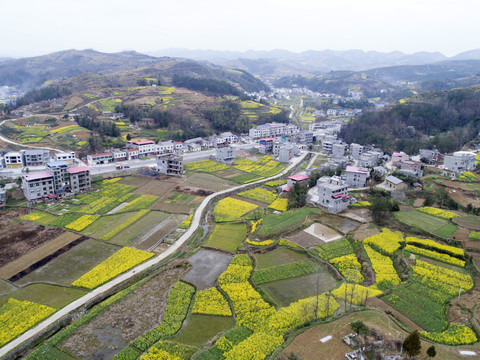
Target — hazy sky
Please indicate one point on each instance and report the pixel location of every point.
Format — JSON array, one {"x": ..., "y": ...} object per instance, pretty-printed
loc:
[{"x": 34, "y": 27}]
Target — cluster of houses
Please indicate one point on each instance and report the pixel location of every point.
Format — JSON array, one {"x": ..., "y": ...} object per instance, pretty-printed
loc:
[
  {"x": 58, "y": 180},
  {"x": 31, "y": 158}
]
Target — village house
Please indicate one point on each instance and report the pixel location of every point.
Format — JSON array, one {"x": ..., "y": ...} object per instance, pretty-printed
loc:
[
  {"x": 399, "y": 156},
  {"x": 410, "y": 168},
  {"x": 395, "y": 184},
  {"x": 79, "y": 179},
  {"x": 357, "y": 177},
  {"x": 460, "y": 162},
  {"x": 13, "y": 159},
  {"x": 38, "y": 185},
  {"x": 36, "y": 157},
  {"x": 100, "y": 158},
  {"x": 170, "y": 164},
  {"x": 333, "y": 193},
  {"x": 225, "y": 155}
]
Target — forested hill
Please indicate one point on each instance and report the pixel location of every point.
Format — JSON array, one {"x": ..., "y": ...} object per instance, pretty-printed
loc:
[
  {"x": 446, "y": 119},
  {"x": 87, "y": 68}
]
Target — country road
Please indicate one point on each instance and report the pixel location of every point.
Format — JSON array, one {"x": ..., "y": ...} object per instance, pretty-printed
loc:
[
  {"x": 138, "y": 269},
  {"x": 4, "y": 139}
]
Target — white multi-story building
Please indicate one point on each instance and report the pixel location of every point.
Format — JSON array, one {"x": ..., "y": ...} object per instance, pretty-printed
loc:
[
  {"x": 38, "y": 185},
  {"x": 333, "y": 193},
  {"x": 305, "y": 137},
  {"x": 338, "y": 150},
  {"x": 101, "y": 158},
  {"x": 132, "y": 154},
  {"x": 79, "y": 179},
  {"x": 13, "y": 159},
  {"x": 119, "y": 155},
  {"x": 272, "y": 130},
  {"x": 68, "y": 157},
  {"x": 356, "y": 177},
  {"x": 357, "y": 151},
  {"x": 59, "y": 169},
  {"x": 460, "y": 162},
  {"x": 145, "y": 147},
  {"x": 36, "y": 157},
  {"x": 166, "y": 147},
  {"x": 225, "y": 154},
  {"x": 285, "y": 153}
]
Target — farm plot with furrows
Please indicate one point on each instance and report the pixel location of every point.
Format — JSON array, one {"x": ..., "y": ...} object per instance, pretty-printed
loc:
[{"x": 136, "y": 314}]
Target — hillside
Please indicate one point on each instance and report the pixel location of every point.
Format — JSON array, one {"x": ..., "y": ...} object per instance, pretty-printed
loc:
[
  {"x": 339, "y": 82},
  {"x": 112, "y": 70},
  {"x": 445, "y": 119},
  {"x": 392, "y": 83}
]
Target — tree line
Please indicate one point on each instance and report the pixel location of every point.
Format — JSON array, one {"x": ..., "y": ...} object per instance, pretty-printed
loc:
[{"x": 446, "y": 120}]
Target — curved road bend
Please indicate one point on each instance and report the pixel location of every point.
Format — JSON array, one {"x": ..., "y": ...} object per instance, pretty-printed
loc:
[{"x": 136, "y": 270}]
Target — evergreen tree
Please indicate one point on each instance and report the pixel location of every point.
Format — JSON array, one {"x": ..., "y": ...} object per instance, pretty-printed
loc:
[
  {"x": 412, "y": 344},
  {"x": 431, "y": 352}
]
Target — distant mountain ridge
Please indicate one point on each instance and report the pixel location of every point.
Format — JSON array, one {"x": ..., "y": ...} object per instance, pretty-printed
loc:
[
  {"x": 283, "y": 62},
  {"x": 32, "y": 72}
]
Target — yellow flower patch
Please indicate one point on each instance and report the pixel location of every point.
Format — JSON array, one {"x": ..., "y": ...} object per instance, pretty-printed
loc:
[
  {"x": 260, "y": 243},
  {"x": 259, "y": 194},
  {"x": 456, "y": 334},
  {"x": 211, "y": 302},
  {"x": 121, "y": 261},
  {"x": 230, "y": 209},
  {"x": 354, "y": 293},
  {"x": 349, "y": 267},
  {"x": 438, "y": 212},
  {"x": 82, "y": 222},
  {"x": 17, "y": 316},
  {"x": 385, "y": 273},
  {"x": 387, "y": 241},
  {"x": 279, "y": 205}
]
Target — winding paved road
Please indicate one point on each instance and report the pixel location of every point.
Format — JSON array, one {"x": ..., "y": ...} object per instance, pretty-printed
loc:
[
  {"x": 4, "y": 139},
  {"x": 135, "y": 271}
]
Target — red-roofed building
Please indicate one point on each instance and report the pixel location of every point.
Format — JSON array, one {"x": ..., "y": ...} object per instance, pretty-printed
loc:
[
  {"x": 145, "y": 147},
  {"x": 297, "y": 178},
  {"x": 101, "y": 158},
  {"x": 132, "y": 154},
  {"x": 80, "y": 178}
]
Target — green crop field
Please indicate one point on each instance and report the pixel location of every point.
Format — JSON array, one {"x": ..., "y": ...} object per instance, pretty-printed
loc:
[
  {"x": 276, "y": 224},
  {"x": 201, "y": 328},
  {"x": 227, "y": 237},
  {"x": 428, "y": 223},
  {"x": 470, "y": 222},
  {"x": 46, "y": 294},
  {"x": 284, "y": 292},
  {"x": 106, "y": 223},
  {"x": 127, "y": 236},
  {"x": 278, "y": 257}
]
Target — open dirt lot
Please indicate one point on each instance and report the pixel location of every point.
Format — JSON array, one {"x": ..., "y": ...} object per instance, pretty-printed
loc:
[
  {"x": 304, "y": 239},
  {"x": 123, "y": 322},
  {"x": 323, "y": 232},
  {"x": 19, "y": 238},
  {"x": 307, "y": 345}
]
